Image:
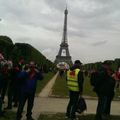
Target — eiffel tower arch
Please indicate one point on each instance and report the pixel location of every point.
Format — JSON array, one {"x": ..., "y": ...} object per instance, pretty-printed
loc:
[{"x": 63, "y": 54}]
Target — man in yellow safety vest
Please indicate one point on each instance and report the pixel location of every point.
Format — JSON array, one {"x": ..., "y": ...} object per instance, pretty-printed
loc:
[{"x": 75, "y": 85}]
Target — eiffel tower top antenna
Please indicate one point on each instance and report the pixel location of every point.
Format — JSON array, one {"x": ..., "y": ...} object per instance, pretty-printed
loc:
[{"x": 66, "y": 3}]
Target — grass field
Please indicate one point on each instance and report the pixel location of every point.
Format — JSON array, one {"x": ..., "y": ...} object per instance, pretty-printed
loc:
[
  {"x": 60, "y": 89},
  {"x": 60, "y": 116}
]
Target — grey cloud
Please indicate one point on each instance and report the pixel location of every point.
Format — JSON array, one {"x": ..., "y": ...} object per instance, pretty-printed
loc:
[
  {"x": 25, "y": 16},
  {"x": 56, "y": 4},
  {"x": 23, "y": 39},
  {"x": 101, "y": 17},
  {"x": 42, "y": 21},
  {"x": 77, "y": 33},
  {"x": 99, "y": 43}
]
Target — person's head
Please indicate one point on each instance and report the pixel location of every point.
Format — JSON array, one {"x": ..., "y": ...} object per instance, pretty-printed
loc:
[
  {"x": 32, "y": 65},
  {"x": 77, "y": 63},
  {"x": 107, "y": 65}
]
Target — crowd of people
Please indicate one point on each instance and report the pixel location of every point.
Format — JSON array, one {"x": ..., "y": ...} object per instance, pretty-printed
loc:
[
  {"x": 103, "y": 81},
  {"x": 19, "y": 82}
]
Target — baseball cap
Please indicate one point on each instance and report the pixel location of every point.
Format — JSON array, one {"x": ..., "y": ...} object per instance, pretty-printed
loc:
[{"x": 77, "y": 62}]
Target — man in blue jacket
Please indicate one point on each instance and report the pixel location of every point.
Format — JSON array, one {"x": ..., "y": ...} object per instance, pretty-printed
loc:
[{"x": 28, "y": 79}]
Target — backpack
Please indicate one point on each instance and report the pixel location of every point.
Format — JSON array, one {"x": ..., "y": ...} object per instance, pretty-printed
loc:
[{"x": 81, "y": 106}]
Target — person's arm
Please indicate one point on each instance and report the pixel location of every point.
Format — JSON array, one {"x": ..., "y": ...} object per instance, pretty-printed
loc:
[{"x": 80, "y": 81}]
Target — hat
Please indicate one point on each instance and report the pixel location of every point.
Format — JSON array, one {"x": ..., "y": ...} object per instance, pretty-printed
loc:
[{"x": 77, "y": 62}]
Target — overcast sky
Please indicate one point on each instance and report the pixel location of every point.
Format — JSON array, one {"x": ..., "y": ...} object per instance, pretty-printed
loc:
[{"x": 93, "y": 26}]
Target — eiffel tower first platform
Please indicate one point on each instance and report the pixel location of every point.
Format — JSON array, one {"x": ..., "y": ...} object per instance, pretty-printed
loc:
[{"x": 63, "y": 54}]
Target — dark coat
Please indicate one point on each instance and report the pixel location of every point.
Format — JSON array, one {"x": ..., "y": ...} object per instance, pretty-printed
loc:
[{"x": 105, "y": 83}]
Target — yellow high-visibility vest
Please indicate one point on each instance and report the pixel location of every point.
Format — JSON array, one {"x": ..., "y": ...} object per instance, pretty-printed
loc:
[{"x": 72, "y": 80}]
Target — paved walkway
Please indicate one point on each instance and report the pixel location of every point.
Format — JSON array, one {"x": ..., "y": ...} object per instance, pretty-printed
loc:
[{"x": 45, "y": 104}]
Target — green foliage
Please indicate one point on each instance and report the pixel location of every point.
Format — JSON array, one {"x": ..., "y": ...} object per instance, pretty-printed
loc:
[
  {"x": 5, "y": 39},
  {"x": 6, "y": 45},
  {"x": 114, "y": 64},
  {"x": 22, "y": 50}
]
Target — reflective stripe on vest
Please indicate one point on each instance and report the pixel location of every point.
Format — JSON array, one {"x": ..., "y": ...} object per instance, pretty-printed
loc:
[{"x": 72, "y": 80}]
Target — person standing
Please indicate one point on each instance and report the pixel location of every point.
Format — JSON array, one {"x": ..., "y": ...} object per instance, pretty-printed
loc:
[
  {"x": 28, "y": 79},
  {"x": 105, "y": 91},
  {"x": 5, "y": 80},
  {"x": 13, "y": 87},
  {"x": 75, "y": 85}
]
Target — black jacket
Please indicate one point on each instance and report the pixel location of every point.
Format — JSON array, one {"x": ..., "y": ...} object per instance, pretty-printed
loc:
[{"x": 105, "y": 83}]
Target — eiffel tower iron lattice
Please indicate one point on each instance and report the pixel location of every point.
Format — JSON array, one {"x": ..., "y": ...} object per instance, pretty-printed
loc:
[{"x": 63, "y": 54}]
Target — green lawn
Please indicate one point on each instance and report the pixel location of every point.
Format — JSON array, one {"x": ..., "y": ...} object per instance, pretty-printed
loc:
[
  {"x": 60, "y": 116},
  {"x": 60, "y": 89},
  {"x": 87, "y": 88}
]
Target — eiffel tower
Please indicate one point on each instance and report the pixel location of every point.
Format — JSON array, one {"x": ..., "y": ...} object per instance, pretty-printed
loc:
[{"x": 63, "y": 54}]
